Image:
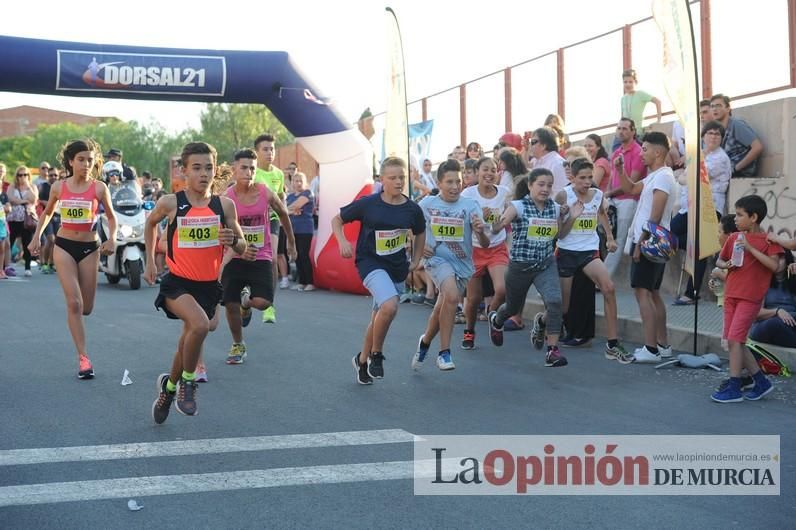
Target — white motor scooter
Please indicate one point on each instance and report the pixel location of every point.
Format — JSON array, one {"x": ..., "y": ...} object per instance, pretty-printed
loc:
[{"x": 128, "y": 259}]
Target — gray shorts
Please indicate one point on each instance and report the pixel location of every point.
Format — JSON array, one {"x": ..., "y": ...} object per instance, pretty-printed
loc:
[
  {"x": 441, "y": 271},
  {"x": 381, "y": 287}
]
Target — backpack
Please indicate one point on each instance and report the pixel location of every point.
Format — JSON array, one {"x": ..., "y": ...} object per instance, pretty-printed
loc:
[{"x": 768, "y": 362}]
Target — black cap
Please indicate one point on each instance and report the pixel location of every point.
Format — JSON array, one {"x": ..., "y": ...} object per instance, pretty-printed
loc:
[{"x": 114, "y": 152}]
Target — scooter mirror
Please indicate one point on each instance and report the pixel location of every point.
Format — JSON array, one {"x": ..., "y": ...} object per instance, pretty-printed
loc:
[{"x": 149, "y": 205}]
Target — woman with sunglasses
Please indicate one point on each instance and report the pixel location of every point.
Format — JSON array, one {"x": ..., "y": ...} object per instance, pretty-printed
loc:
[
  {"x": 22, "y": 196},
  {"x": 76, "y": 243},
  {"x": 474, "y": 151}
]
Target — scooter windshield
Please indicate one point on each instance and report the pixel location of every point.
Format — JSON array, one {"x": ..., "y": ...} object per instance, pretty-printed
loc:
[{"x": 127, "y": 201}]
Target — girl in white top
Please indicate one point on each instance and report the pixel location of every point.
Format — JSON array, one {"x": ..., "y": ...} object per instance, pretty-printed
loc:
[
  {"x": 579, "y": 248},
  {"x": 493, "y": 259}
]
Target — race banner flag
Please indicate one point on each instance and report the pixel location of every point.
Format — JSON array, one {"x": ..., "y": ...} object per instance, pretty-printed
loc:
[
  {"x": 680, "y": 80},
  {"x": 420, "y": 143},
  {"x": 396, "y": 133}
]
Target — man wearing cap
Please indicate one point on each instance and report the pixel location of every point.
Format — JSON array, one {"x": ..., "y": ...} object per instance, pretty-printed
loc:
[{"x": 114, "y": 154}]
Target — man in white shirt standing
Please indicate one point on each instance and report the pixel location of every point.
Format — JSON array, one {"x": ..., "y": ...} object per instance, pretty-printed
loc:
[{"x": 654, "y": 205}]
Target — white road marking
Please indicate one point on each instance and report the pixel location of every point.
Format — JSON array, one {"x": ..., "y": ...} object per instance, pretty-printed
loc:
[
  {"x": 15, "y": 457},
  {"x": 137, "y": 487}
]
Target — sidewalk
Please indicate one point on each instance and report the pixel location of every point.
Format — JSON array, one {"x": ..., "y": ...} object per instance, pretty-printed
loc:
[{"x": 679, "y": 318}]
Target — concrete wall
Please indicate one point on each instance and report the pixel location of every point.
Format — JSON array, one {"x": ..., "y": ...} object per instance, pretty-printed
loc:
[{"x": 775, "y": 124}]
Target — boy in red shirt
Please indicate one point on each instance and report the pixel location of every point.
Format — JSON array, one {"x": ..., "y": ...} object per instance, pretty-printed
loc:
[{"x": 750, "y": 260}]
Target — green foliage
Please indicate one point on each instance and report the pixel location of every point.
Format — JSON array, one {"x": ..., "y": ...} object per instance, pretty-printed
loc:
[{"x": 227, "y": 127}]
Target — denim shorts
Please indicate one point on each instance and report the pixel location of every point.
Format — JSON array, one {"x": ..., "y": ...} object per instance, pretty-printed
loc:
[
  {"x": 442, "y": 270},
  {"x": 381, "y": 287}
]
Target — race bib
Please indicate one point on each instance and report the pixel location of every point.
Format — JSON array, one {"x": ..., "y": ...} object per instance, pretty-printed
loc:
[
  {"x": 447, "y": 228},
  {"x": 254, "y": 235},
  {"x": 492, "y": 215},
  {"x": 76, "y": 211},
  {"x": 542, "y": 229},
  {"x": 585, "y": 224},
  {"x": 390, "y": 241},
  {"x": 198, "y": 232}
]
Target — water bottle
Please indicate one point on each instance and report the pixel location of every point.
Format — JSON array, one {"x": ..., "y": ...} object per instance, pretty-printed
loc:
[{"x": 737, "y": 252}]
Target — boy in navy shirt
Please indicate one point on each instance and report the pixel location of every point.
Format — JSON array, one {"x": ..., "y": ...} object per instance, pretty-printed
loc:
[{"x": 381, "y": 260}]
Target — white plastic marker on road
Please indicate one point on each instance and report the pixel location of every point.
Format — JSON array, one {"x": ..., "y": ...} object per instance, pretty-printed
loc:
[
  {"x": 89, "y": 490},
  {"x": 17, "y": 457}
]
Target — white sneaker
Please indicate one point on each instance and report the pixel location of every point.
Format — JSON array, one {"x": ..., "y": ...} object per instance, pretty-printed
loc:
[
  {"x": 284, "y": 283},
  {"x": 28, "y": 273},
  {"x": 665, "y": 353},
  {"x": 309, "y": 287},
  {"x": 445, "y": 361},
  {"x": 420, "y": 355},
  {"x": 297, "y": 287},
  {"x": 643, "y": 355}
]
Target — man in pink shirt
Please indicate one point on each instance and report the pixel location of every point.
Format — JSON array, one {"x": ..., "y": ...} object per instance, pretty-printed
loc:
[{"x": 625, "y": 204}]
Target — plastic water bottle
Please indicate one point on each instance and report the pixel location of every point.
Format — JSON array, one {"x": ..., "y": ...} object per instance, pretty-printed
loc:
[{"x": 737, "y": 252}]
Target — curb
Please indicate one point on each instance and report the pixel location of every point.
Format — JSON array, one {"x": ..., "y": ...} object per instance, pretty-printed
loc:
[{"x": 681, "y": 339}]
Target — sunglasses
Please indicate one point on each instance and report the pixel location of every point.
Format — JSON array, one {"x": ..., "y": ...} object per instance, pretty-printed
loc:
[
  {"x": 534, "y": 142},
  {"x": 565, "y": 164},
  {"x": 23, "y": 174}
]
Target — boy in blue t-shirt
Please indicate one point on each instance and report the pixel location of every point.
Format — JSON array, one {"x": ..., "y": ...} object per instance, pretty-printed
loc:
[
  {"x": 449, "y": 256},
  {"x": 381, "y": 260}
]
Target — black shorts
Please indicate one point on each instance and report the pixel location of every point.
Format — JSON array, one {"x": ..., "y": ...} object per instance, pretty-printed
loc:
[
  {"x": 206, "y": 294},
  {"x": 281, "y": 248},
  {"x": 274, "y": 226},
  {"x": 256, "y": 275},
  {"x": 646, "y": 274},
  {"x": 77, "y": 249},
  {"x": 571, "y": 261}
]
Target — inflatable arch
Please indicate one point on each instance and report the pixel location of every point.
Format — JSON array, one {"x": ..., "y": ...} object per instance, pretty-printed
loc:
[{"x": 213, "y": 76}]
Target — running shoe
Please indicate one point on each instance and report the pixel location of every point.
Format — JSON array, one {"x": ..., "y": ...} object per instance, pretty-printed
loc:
[
  {"x": 418, "y": 299},
  {"x": 162, "y": 405},
  {"x": 731, "y": 394},
  {"x": 760, "y": 390},
  {"x": 664, "y": 352},
  {"x": 420, "y": 354},
  {"x": 573, "y": 342},
  {"x": 468, "y": 342},
  {"x": 512, "y": 324},
  {"x": 269, "y": 315},
  {"x": 28, "y": 273},
  {"x": 430, "y": 302},
  {"x": 245, "y": 313},
  {"x": 553, "y": 358},
  {"x": 376, "y": 365},
  {"x": 361, "y": 371},
  {"x": 495, "y": 332},
  {"x": 284, "y": 283},
  {"x": 747, "y": 383},
  {"x": 85, "y": 371},
  {"x": 444, "y": 361},
  {"x": 308, "y": 287},
  {"x": 201, "y": 373},
  {"x": 618, "y": 353},
  {"x": 237, "y": 353},
  {"x": 186, "y": 397},
  {"x": 10, "y": 271},
  {"x": 643, "y": 355},
  {"x": 460, "y": 318},
  {"x": 537, "y": 333},
  {"x": 44, "y": 269}
]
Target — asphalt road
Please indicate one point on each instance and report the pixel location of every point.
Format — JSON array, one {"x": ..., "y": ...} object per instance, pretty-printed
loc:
[{"x": 298, "y": 379}]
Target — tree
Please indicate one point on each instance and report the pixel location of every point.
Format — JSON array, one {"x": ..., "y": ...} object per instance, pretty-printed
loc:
[{"x": 229, "y": 127}]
